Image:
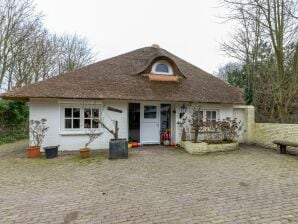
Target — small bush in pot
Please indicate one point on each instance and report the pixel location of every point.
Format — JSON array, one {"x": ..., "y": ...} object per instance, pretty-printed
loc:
[
  {"x": 118, "y": 148},
  {"x": 37, "y": 130},
  {"x": 92, "y": 135}
]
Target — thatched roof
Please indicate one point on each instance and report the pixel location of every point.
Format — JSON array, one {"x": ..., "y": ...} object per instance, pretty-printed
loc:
[{"x": 122, "y": 77}]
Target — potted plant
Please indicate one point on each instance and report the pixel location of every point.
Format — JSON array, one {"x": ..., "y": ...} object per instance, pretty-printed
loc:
[
  {"x": 37, "y": 130},
  {"x": 118, "y": 148},
  {"x": 92, "y": 135},
  {"x": 166, "y": 137}
]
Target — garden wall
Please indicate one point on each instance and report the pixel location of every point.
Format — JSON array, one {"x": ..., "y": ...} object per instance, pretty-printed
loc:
[
  {"x": 266, "y": 133},
  {"x": 262, "y": 134}
]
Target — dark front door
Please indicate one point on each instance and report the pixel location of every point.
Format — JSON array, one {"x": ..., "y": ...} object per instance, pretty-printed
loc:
[{"x": 165, "y": 117}]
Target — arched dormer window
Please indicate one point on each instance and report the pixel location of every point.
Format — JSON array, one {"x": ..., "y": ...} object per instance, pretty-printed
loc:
[{"x": 162, "y": 67}]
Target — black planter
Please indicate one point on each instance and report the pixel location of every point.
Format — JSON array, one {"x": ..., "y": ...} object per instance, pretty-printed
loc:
[
  {"x": 51, "y": 151},
  {"x": 118, "y": 149}
]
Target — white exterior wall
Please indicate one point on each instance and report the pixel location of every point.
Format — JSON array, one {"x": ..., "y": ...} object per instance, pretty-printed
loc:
[
  {"x": 223, "y": 112},
  {"x": 49, "y": 109}
]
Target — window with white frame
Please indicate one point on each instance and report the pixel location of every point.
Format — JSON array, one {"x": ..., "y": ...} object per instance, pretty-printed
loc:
[
  {"x": 91, "y": 116},
  {"x": 211, "y": 115},
  {"x": 75, "y": 117},
  {"x": 72, "y": 118},
  {"x": 162, "y": 67}
]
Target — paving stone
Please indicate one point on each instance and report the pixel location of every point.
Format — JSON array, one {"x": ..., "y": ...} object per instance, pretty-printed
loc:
[{"x": 155, "y": 185}]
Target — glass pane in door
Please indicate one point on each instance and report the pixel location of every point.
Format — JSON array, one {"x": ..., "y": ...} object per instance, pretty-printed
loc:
[{"x": 150, "y": 112}]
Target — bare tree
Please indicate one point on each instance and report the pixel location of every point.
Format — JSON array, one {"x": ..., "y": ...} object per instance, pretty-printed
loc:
[
  {"x": 43, "y": 54},
  {"x": 29, "y": 53},
  {"x": 17, "y": 19},
  {"x": 23, "y": 60},
  {"x": 73, "y": 52},
  {"x": 266, "y": 43},
  {"x": 245, "y": 43}
]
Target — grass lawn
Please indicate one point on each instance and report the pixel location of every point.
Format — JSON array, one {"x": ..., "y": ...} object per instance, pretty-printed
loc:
[
  {"x": 15, "y": 149},
  {"x": 12, "y": 138},
  {"x": 16, "y": 152}
]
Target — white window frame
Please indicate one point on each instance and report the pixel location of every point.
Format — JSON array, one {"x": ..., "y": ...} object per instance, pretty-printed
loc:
[
  {"x": 71, "y": 118},
  {"x": 216, "y": 114},
  {"x": 210, "y": 110},
  {"x": 82, "y": 106},
  {"x": 90, "y": 118},
  {"x": 171, "y": 72}
]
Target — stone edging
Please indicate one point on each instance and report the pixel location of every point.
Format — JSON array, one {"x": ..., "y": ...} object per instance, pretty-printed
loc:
[{"x": 203, "y": 147}]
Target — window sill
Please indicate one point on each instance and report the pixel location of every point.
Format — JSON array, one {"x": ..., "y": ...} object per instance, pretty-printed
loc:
[
  {"x": 163, "y": 78},
  {"x": 76, "y": 132}
]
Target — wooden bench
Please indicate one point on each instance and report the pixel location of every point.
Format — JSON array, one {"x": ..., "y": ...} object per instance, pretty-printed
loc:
[{"x": 283, "y": 145}]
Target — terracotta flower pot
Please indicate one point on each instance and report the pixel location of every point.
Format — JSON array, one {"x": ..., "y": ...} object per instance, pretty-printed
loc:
[
  {"x": 33, "y": 152},
  {"x": 85, "y": 153}
]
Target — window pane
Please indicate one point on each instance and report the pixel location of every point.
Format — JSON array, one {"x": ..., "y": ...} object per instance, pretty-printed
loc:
[
  {"x": 208, "y": 115},
  {"x": 76, "y": 112},
  {"x": 76, "y": 123},
  {"x": 87, "y": 113},
  {"x": 211, "y": 115},
  {"x": 95, "y": 123},
  {"x": 149, "y": 111},
  {"x": 87, "y": 123},
  {"x": 67, "y": 123},
  {"x": 95, "y": 113},
  {"x": 162, "y": 68},
  {"x": 67, "y": 112},
  {"x": 214, "y": 115}
]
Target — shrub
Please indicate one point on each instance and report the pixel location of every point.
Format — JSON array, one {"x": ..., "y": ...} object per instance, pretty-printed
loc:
[
  {"x": 38, "y": 130},
  {"x": 13, "y": 112},
  {"x": 13, "y": 121},
  {"x": 193, "y": 125},
  {"x": 12, "y": 133},
  {"x": 229, "y": 129}
]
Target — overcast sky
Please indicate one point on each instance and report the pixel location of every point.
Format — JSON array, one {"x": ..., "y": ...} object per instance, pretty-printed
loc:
[{"x": 191, "y": 29}]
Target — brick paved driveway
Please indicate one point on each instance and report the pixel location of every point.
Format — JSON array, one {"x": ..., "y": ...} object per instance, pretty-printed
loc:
[{"x": 155, "y": 185}]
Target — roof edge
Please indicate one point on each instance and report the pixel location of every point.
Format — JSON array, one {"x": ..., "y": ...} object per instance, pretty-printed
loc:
[{"x": 27, "y": 99}]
